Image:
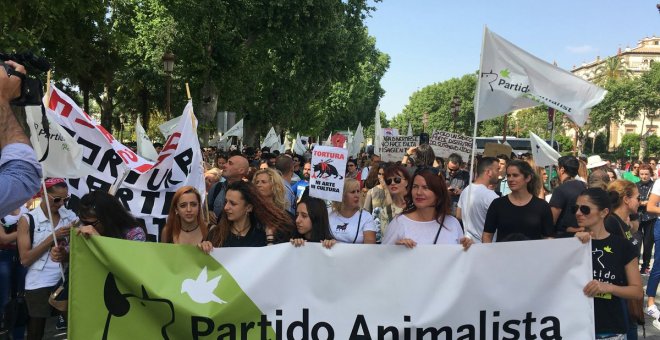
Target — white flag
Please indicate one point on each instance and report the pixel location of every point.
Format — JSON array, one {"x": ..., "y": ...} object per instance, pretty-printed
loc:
[
  {"x": 144, "y": 146},
  {"x": 236, "y": 130},
  {"x": 543, "y": 154},
  {"x": 410, "y": 131},
  {"x": 298, "y": 147},
  {"x": 60, "y": 155},
  {"x": 513, "y": 79},
  {"x": 272, "y": 140},
  {"x": 286, "y": 145},
  {"x": 356, "y": 143},
  {"x": 328, "y": 142},
  {"x": 377, "y": 131},
  {"x": 169, "y": 126}
]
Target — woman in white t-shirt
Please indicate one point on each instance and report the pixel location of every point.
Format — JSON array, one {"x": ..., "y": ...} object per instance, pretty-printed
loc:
[
  {"x": 349, "y": 223},
  {"x": 428, "y": 221}
]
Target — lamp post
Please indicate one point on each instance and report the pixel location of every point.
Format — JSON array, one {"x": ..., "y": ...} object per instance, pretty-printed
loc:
[
  {"x": 425, "y": 120},
  {"x": 168, "y": 67},
  {"x": 455, "y": 109}
]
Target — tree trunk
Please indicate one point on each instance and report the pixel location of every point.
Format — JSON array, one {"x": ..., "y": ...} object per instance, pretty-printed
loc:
[
  {"x": 608, "y": 135},
  {"x": 208, "y": 108},
  {"x": 106, "y": 107},
  {"x": 144, "y": 109},
  {"x": 642, "y": 141}
]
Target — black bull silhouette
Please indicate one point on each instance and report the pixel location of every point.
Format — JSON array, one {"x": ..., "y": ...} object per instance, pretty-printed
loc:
[{"x": 325, "y": 170}]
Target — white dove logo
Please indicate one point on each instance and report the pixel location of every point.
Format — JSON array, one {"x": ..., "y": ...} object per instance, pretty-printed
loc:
[{"x": 200, "y": 290}]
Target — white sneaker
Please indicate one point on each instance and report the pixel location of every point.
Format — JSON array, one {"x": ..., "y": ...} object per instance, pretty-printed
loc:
[
  {"x": 656, "y": 324},
  {"x": 653, "y": 312}
]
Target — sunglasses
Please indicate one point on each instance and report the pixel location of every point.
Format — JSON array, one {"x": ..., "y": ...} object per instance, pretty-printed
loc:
[
  {"x": 396, "y": 180},
  {"x": 60, "y": 199},
  {"x": 93, "y": 224},
  {"x": 585, "y": 210}
]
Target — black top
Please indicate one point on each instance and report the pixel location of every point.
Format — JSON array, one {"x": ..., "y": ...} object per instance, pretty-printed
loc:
[
  {"x": 644, "y": 193},
  {"x": 255, "y": 237},
  {"x": 616, "y": 226},
  {"x": 534, "y": 219},
  {"x": 609, "y": 257},
  {"x": 564, "y": 197}
]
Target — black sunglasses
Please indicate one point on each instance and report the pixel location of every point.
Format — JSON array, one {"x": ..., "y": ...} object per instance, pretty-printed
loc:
[
  {"x": 93, "y": 224},
  {"x": 60, "y": 199},
  {"x": 585, "y": 210},
  {"x": 396, "y": 180}
]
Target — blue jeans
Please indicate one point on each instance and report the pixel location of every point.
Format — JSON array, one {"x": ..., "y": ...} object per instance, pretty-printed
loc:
[
  {"x": 654, "y": 276},
  {"x": 12, "y": 279}
]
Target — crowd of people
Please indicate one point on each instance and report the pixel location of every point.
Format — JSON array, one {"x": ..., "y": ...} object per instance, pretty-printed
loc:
[{"x": 256, "y": 198}]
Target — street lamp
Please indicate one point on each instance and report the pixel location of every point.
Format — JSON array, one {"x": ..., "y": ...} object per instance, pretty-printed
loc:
[
  {"x": 425, "y": 120},
  {"x": 455, "y": 109},
  {"x": 168, "y": 67}
]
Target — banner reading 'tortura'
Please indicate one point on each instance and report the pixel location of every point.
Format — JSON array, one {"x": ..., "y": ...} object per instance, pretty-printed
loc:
[{"x": 130, "y": 290}]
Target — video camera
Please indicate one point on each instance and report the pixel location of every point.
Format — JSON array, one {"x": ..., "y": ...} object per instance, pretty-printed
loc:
[{"x": 31, "y": 87}]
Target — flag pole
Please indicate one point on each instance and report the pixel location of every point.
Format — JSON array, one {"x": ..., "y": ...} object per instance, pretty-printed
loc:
[
  {"x": 50, "y": 219},
  {"x": 469, "y": 197}
]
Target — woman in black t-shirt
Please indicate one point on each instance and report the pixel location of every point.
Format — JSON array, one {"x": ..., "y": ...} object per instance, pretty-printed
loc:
[
  {"x": 248, "y": 221},
  {"x": 616, "y": 275},
  {"x": 624, "y": 197},
  {"x": 520, "y": 211}
]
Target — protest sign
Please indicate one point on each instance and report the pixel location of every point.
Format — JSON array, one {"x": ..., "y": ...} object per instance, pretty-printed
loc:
[
  {"x": 392, "y": 148},
  {"x": 390, "y": 132},
  {"x": 149, "y": 186},
  {"x": 328, "y": 170},
  {"x": 494, "y": 149},
  {"x": 445, "y": 143},
  {"x": 132, "y": 290}
]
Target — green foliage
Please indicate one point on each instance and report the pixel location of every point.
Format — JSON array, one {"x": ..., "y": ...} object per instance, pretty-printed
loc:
[
  {"x": 565, "y": 142},
  {"x": 631, "y": 141},
  {"x": 282, "y": 63},
  {"x": 436, "y": 100}
]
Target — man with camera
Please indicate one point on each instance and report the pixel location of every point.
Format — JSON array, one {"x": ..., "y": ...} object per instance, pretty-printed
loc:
[{"x": 20, "y": 172}]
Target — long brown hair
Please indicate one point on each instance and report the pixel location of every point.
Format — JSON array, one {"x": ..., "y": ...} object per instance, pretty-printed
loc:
[
  {"x": 438, "y": 185},
  {"x": 264, "y": 213},
  {"x": 173, "y": 224}
]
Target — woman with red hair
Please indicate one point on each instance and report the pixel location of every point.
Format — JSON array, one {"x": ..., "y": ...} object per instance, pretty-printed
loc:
[{"x": 185, "y": 223}]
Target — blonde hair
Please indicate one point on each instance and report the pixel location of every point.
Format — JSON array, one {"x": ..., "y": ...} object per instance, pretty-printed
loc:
[
  {"x": 623, "y": 188},
  {"x": 278, "y": 186},
  {"x": 349, "y": 184}
]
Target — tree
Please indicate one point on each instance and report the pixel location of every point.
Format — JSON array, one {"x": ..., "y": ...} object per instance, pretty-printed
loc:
[
  {"x": 436, "y": 99},
  {"x": 645, "y": 101},
  {"x": 611, "y": 69},
  {"x": 273, "y": 61}
]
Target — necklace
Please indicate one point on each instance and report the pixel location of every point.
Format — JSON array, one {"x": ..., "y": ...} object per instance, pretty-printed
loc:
[
  {"x": 240, "y": 232},
  {"x": 191, "y": 229}
]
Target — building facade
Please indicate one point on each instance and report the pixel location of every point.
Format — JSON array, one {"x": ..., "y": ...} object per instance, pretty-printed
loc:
[{"x": 637, "y": 60}]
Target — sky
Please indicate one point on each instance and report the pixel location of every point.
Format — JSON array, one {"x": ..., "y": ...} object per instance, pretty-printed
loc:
[{"x": 430, "y": 41}]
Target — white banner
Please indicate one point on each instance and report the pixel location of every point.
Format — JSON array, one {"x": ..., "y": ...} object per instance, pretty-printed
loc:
[
  {"x": 512, "y": 79},
  {"x": 445, "y": 143},
  {"x": 392, "y": 148},
  {"x": 328, "y": 170},
  {"x": 492, "y": 291},
  {"x": 148, "y": 188}
]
